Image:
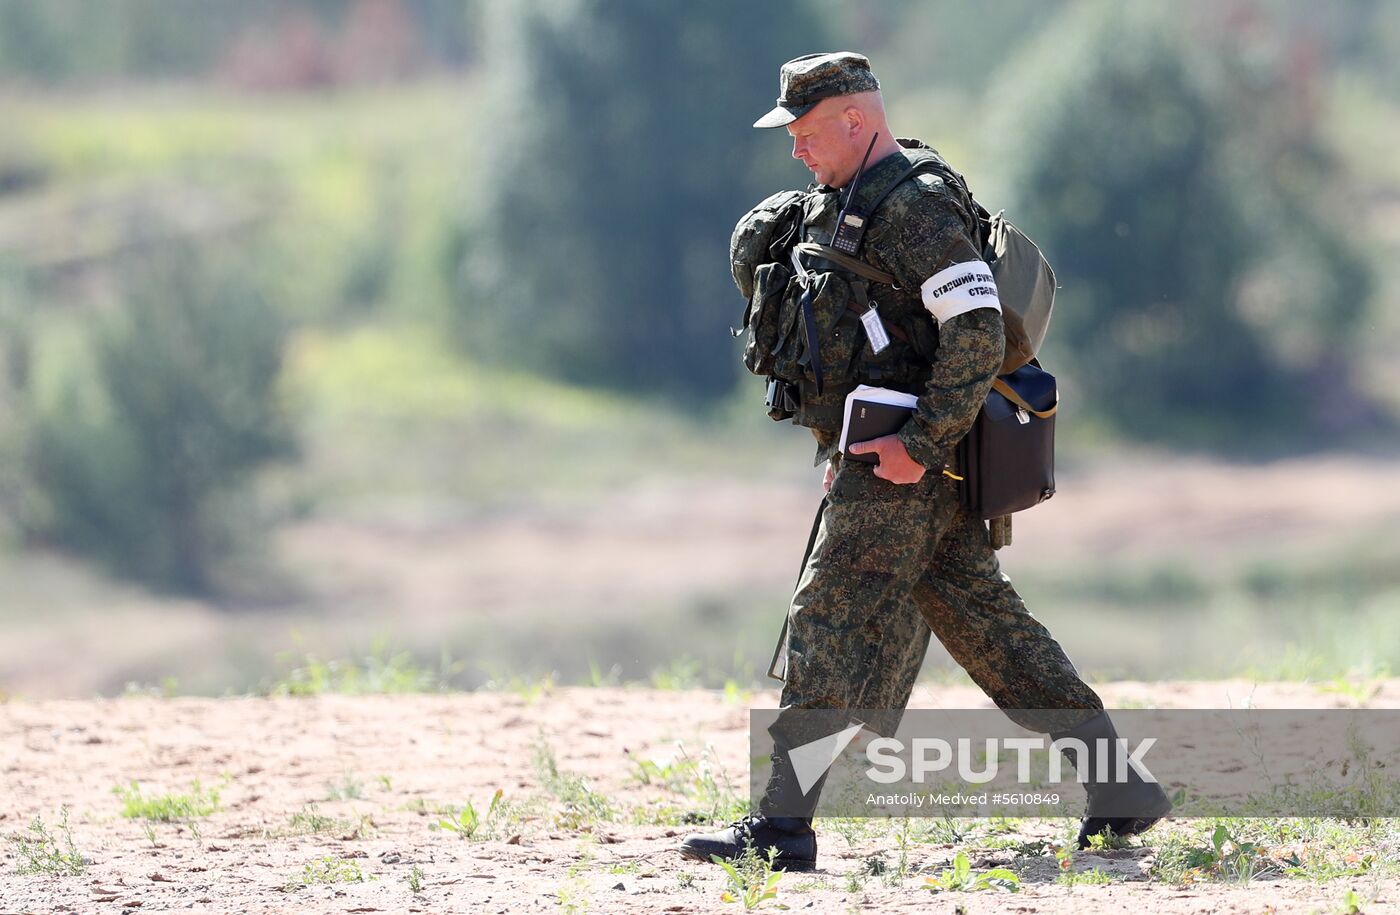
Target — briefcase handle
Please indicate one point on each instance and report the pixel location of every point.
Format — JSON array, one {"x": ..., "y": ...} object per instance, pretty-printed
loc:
[{"x": 1005, "y": 390}]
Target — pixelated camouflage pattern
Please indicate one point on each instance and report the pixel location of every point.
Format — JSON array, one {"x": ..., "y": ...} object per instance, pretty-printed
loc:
[
  {"x": 971, "y": 605},
  {"x": 970, "y": 351},
  {"x": 751, "y": 245},
  {"x": 891, "y": 564},
  {"x": 923, "y": 226},
  {"x": 810, "y": 78}
]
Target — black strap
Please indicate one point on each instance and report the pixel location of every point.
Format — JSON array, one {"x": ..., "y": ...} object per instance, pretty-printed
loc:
[
  {"x": 809, "y": 323},
  {"x": 813, "y": 355},
  {"x": 780, "y": 650}
]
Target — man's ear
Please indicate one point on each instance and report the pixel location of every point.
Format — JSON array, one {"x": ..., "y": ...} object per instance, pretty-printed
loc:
[{"x": 855, "y": 120}]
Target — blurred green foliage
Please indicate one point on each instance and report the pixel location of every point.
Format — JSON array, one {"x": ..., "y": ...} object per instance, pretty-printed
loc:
[
  {"x": 481, "y": 229},
  {"x": 379, "y": 672},
  {"x": 621, "y": 158},
  {"x": 262, "y": 42},
  {"x": 1211, "y": 293},
  {"x": 160, "y": 415}
]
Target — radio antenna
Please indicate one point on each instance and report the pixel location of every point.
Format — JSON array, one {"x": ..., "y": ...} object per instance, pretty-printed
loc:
[{"x": 855, "y": 183}]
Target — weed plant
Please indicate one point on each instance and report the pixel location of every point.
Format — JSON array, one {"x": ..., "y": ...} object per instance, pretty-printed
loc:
[{"x": 38, "y": 851}]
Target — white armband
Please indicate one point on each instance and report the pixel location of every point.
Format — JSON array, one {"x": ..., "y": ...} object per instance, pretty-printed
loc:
[{"x": 960, "y": 288}]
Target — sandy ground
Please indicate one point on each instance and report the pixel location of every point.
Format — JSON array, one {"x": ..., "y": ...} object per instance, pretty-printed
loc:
[{"x": 380, "y": 764}]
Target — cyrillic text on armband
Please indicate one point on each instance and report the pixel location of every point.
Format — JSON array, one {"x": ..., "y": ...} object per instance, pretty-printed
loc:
[{"x": 958, "y": 289}]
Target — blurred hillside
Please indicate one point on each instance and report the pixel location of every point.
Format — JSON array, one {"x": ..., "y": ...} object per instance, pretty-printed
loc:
[{"x": 274, "y": 275}]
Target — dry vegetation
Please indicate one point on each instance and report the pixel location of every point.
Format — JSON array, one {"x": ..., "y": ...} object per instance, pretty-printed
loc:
[{"x": 570, "y": 800}]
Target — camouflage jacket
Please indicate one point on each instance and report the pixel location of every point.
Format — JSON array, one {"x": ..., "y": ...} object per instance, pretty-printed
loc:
[{"x": 924, "y": 227}]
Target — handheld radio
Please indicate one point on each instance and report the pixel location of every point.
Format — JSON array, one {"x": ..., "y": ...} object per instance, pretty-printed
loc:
[{"x": 850, "y": 223}]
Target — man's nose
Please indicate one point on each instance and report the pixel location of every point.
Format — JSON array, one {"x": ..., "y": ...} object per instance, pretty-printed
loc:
[{"x": 797, "y": 149}]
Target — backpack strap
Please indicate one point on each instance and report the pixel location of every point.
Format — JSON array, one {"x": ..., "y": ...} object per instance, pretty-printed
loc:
[
  {"x": 979, "y": 216},
  {"x": 856, "y": 265},
  {"x": 853, "y": 264},
  {"x": 874, "y": 206},
  {"x": 813, "y": 356},
  {"x": 859, "y": 267}
]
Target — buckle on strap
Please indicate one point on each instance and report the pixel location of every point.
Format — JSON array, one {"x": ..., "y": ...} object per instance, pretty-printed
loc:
[{"x": 801, "y": 275}]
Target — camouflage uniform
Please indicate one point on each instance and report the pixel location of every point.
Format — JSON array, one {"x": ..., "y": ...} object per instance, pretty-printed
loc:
[{"x": 887, "y": 562}]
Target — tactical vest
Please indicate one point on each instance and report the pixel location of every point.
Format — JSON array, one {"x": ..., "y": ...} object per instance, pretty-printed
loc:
[{"x": 805, "y": 299}]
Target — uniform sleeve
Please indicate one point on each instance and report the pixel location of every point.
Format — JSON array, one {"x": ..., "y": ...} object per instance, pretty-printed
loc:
[
  {"x": 970, "y": 349},
  {"x": 933, "y": 253}
]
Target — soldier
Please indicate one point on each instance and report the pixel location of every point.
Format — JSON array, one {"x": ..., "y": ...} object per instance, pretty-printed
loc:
[{"x": 893, "y": 555}]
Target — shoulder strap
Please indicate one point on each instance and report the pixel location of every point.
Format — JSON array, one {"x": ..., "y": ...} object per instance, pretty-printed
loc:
[
  {"x": 855, "y": 265},
  {"x": 976, "y": 212},
  {"x": 893, "y": 184},
  {"x": 1005, "y": 390}
]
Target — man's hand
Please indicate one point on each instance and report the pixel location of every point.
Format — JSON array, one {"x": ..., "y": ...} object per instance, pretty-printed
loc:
[
  {"x": 828, "y": 476},
  {"x": 895, "y": 463}
]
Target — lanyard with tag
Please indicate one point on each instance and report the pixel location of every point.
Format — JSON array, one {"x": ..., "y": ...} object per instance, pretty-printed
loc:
[
  {"x": 874, "y": 329},
  {"x": 850, "y": 230}
]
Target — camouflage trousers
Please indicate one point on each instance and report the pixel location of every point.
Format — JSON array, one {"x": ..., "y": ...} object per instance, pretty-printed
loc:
[{"x": 889, "y": 564}]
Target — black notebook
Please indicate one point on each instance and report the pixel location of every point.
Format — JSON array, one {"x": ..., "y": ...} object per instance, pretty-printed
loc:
[{"x": 871, "y": 413}]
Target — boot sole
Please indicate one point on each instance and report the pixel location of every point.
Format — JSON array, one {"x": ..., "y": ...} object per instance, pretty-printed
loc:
[{"x": 779, "y": 864}]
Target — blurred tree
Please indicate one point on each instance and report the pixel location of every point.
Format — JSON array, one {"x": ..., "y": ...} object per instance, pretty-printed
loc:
[
  {"x": 139, "y": 458},
  {"x": 15, "y": 366},
  {"x": 620, "y": 158},
  {"x": 915, "y": 44},
  {"x": 65, "y": 40},
  {"x": 1177, "y": 183},
  {"x": 57, "y": 41}
]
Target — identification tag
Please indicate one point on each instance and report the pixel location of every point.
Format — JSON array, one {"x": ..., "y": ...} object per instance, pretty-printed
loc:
[{"x": 874, "y": 329}]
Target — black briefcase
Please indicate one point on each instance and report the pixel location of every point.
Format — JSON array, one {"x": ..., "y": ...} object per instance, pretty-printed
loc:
[{"x": 1007, "y": 459}]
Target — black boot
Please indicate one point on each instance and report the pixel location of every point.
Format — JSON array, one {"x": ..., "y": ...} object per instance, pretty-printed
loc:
[
  {"x": 791, "y": 836},
  {"x": 1115, "y": 808},
  {"x": 790, "y": 833}
]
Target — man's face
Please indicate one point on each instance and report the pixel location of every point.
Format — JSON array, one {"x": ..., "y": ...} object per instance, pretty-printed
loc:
[{"x": 827, "y": 142}]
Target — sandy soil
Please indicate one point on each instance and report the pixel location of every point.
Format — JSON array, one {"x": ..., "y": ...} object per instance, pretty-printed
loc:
[{"x": 380, "y": 764}]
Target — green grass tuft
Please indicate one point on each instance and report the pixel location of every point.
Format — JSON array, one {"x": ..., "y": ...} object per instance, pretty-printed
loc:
[
  {"x": 167, "y": 808},
  {"x": 329, "y": 869}
]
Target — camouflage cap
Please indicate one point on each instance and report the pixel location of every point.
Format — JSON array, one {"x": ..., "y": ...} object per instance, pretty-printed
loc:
[{"x": 804, "y": 81}]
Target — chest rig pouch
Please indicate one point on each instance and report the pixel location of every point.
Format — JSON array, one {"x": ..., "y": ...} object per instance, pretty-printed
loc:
[
  {"x": 824, "y": 344},
  {"x": 759, "y": 259},
  {"x": 819, "y": 319},
  {"x": 848, "y": 323}
]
